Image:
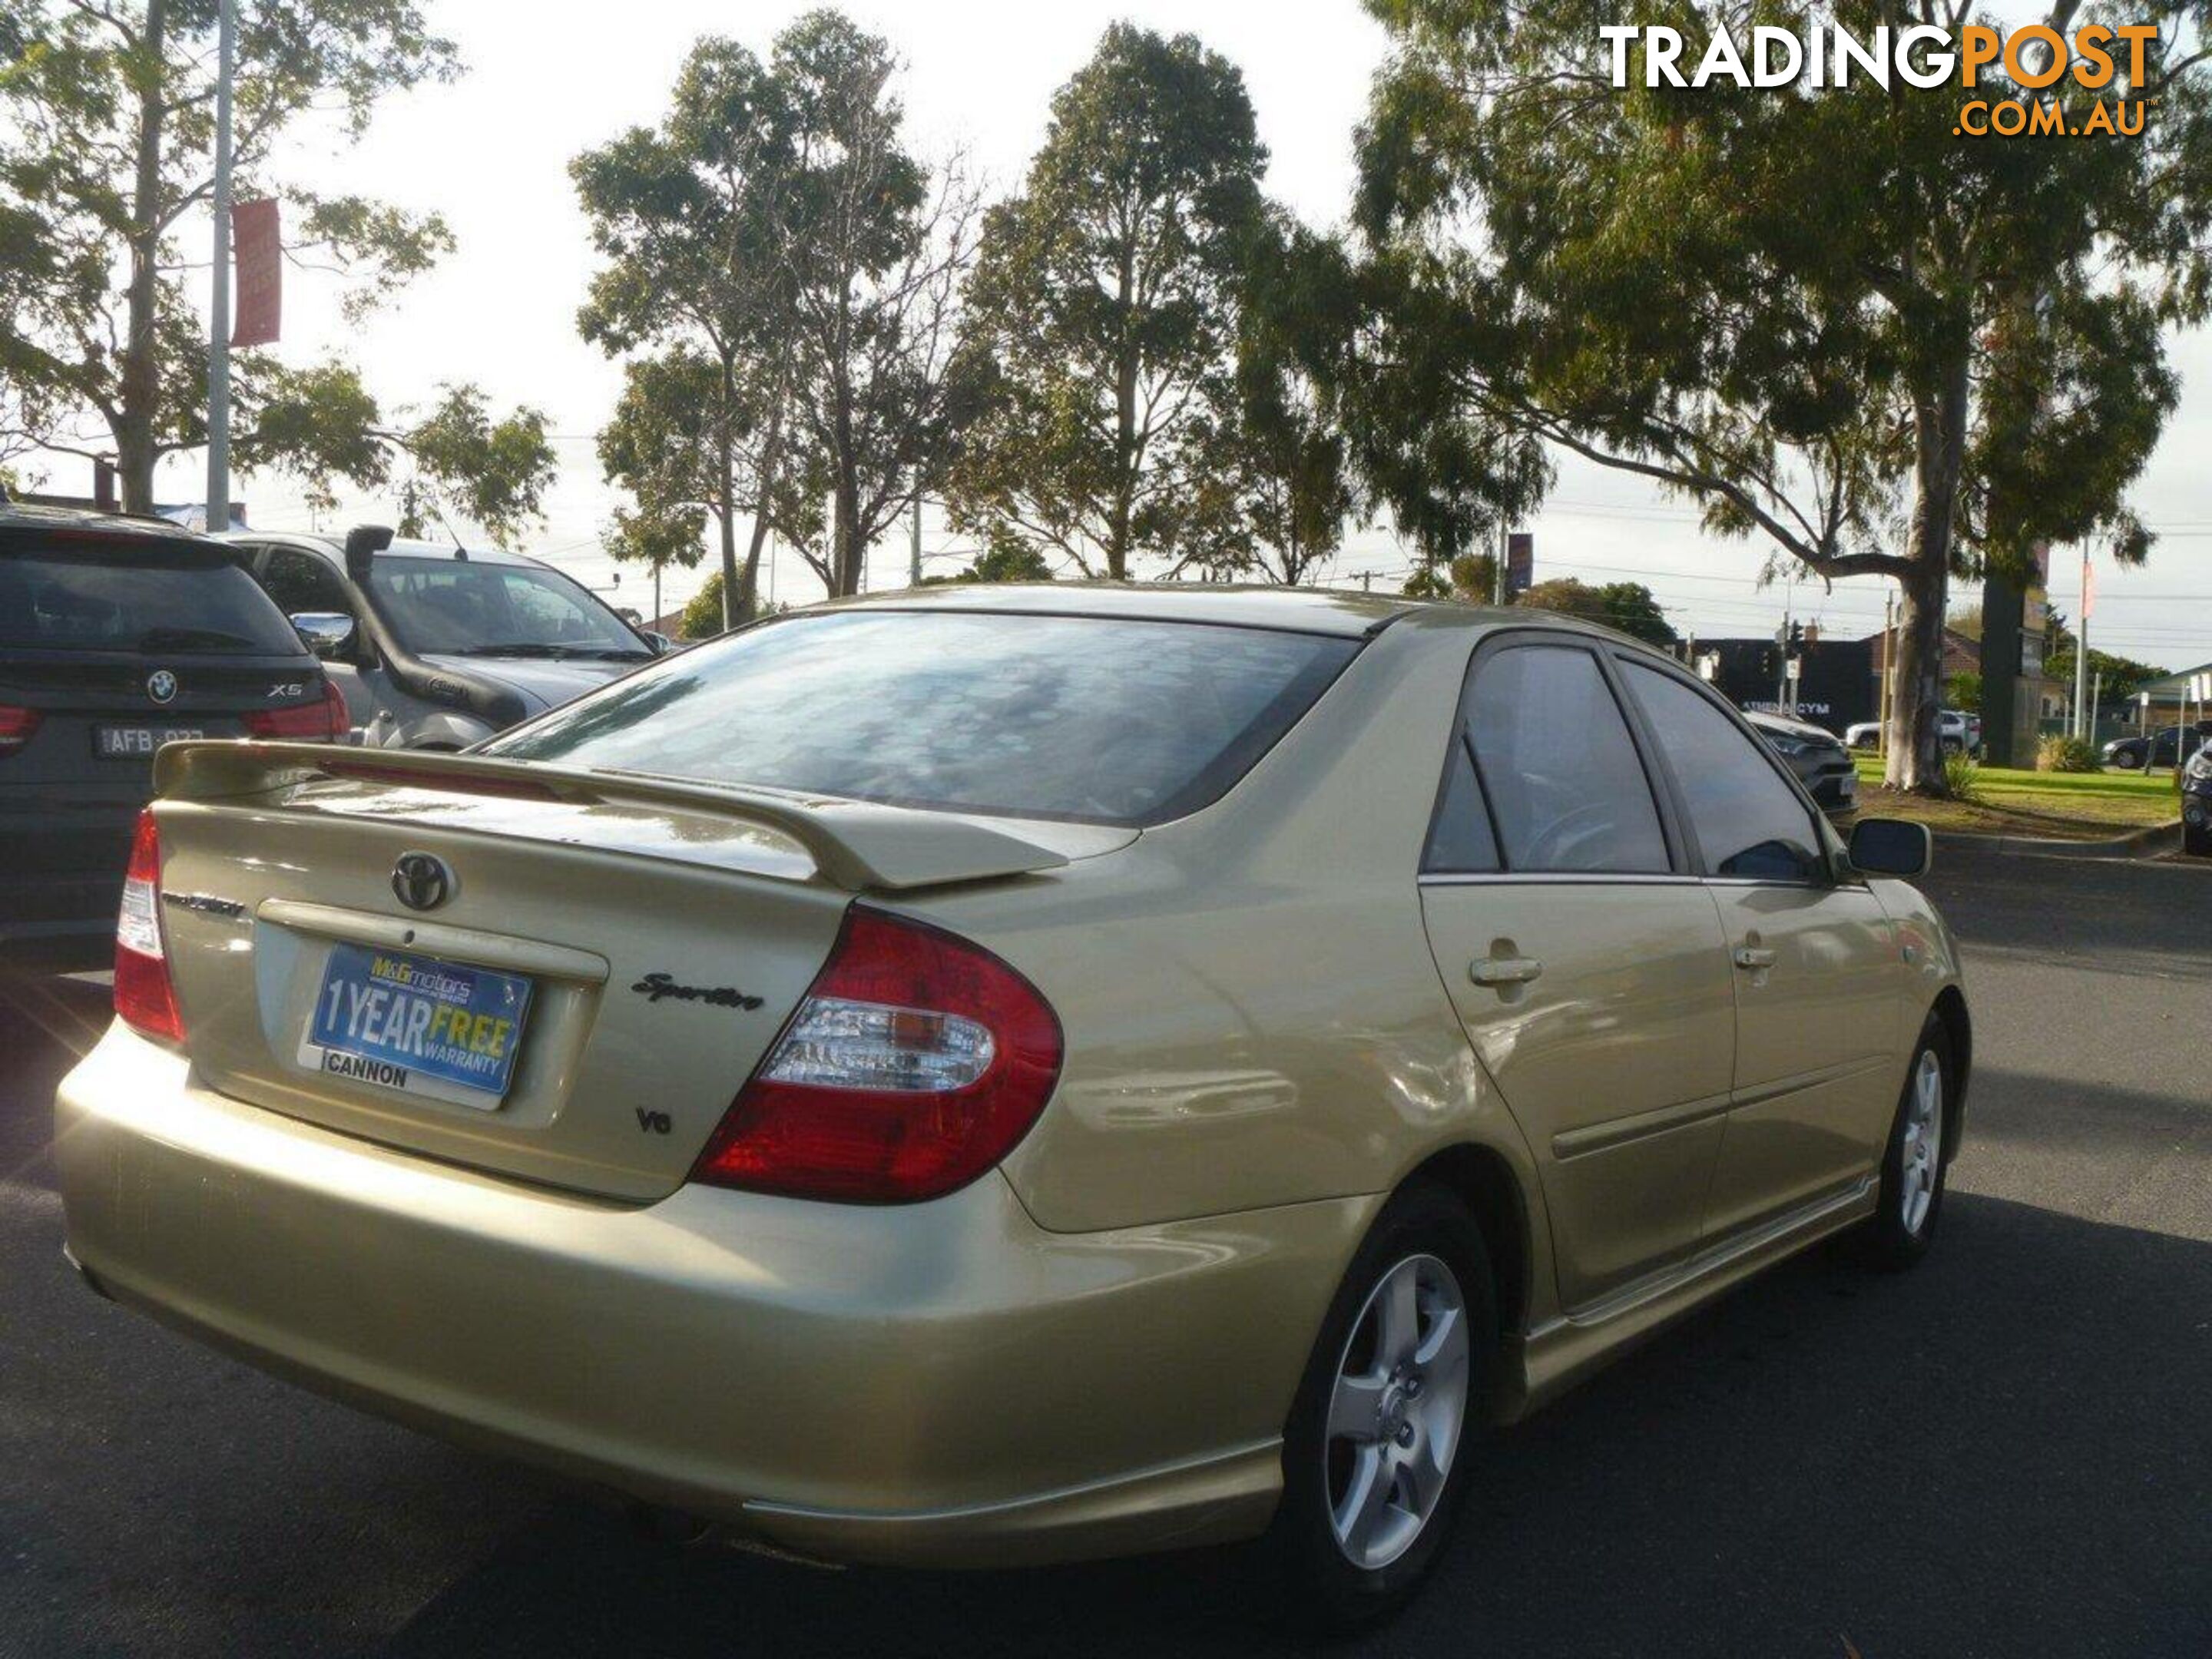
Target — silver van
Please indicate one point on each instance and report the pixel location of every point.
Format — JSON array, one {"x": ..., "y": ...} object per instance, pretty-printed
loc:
[{"x": 437, "y": 647}]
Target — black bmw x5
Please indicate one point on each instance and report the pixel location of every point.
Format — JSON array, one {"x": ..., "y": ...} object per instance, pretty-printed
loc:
[{"x": 116, "y": 636}]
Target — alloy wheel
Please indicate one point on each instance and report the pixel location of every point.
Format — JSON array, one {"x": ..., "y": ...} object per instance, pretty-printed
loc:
[
  {"x": 1923, "y": 1152},
  {"x": 1396, "y": 1411}
]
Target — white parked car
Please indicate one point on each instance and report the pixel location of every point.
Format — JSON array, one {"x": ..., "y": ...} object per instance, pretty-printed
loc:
[{"x": 1960, "y": 733}]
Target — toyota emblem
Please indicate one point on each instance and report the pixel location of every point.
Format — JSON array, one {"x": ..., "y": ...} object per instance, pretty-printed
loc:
[
  {"x": 423, "y": 881},
  {"x": 161, "y": 685}
]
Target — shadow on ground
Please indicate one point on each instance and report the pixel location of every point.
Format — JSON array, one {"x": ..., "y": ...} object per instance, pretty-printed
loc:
[{"x": 2005, "y": 1452}]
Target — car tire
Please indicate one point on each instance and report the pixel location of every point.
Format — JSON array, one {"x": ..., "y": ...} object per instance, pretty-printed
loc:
[
  {"x": 2197, "y": 840},
  {"x": 2127, "y": 761},
  {"x": 1343, "y": 1565},
  {"x": 1914, "y": 1163}
]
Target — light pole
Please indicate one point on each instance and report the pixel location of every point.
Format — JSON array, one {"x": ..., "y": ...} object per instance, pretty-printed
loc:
[{"x": 218, "y": 480}]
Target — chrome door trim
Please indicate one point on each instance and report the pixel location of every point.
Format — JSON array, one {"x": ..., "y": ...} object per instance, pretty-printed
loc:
[
  {"x": 1799, "y": 1081},
  {"x": 1619, "y": 1132},
  {"x": 1555, "y": 877}
]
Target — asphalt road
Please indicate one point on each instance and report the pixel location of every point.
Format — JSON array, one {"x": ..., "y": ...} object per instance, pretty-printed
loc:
[{"x": 2008, "y": 1452}]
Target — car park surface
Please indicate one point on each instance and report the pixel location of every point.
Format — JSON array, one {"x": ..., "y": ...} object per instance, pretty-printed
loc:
[
  {"x": 438, "y": 647},
  {"x": 1695, "y": 1017},
  {"x": 1758, "y": 1480},
  {"x": 116, "y": 636}
]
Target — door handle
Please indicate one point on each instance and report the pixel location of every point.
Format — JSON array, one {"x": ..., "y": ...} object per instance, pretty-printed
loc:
[
  {"x": 1504, "y": 970},
  {"x": 1751, "y": 957}
]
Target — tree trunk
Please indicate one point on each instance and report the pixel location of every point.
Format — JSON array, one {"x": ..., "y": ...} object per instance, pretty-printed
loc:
[
  {"x": 1916, "y": 757},
  {"x": 846, "y": 539},
  {"x": 725, "y": 461},
  {"x": 140, "y": 393},
  {"x": 1125, "y": 429},
  {"x": 771, "y": 463}
]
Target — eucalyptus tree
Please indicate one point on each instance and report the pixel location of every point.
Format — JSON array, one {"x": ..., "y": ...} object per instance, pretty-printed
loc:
[
  {"x": 106, "y": 140},
  {"x": 1824, "y": 314},
  {"x": 1103, "y": 318},
  {"x": 691, "y": 217},
  {"x": 322, "y": 425},
  {"x": 794, "y": 270},
  {"x": 1292, "y": 468},
  {"x": 878, "y": 242}
]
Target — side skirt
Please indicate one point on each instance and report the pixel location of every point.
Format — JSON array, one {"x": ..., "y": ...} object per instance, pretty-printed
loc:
[{"x": 1563, "y": 1350}]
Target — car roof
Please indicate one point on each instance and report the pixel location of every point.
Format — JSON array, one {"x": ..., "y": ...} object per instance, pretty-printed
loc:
[
  {"x": 1298, "y": 610},
  {"x": 24, "y": 522},
  {"x": 333, "y": 547}
]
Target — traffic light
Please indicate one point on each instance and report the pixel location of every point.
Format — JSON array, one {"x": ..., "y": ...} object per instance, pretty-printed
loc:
[{"x": 1797, "y": 637}]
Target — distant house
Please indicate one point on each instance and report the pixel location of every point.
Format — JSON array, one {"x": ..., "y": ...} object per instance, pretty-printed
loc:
[
  {"x": 1962, "y": 653},
  {"x": 2172, "y": 697}
]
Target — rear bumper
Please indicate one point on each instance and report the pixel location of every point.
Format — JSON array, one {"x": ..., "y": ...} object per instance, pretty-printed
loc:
[{"x": 942, "y": 1383}]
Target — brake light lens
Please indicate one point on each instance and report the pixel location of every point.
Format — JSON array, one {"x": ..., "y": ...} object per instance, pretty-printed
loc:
[
  {"x": 17, "y": 726},
  {"x": 327, "y": 721},
  {"x": 915, "y": 1063},
  {"x": 144, "y": 999}
]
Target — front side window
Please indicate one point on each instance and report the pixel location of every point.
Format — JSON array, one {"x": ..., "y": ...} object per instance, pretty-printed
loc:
[
  {"x": 1083, "y": 718},
  {"x": 1566, "y": 789},
  {"x": 1748, "y": 822},
  {"x": 456, "y": 608}
]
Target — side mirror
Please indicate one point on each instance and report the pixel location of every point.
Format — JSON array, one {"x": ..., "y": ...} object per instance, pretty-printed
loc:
[
  {"x": 659, "y": 644},
  {"x": 1892, "y": 847},
  {"x": 363, "y": 542},
  {"x": 328, "y": 632}
]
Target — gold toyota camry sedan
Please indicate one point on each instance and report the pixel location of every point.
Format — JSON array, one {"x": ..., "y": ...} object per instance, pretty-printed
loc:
[{"x": 1003, "y": 1074}]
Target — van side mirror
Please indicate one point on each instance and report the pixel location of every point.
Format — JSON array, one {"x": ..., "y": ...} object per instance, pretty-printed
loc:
[
  {"x": 328, "y": 632},
  {"x": 363, "y": 542},
  {"x": 1892, "y": 847},
  {"x": 659, "y": 644}
]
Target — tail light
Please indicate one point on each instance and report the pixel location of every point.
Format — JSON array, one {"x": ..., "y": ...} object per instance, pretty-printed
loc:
[
  {"x": 143, "y": 996},
  {"x": 913, "y": 1064},
  {"x": 17, "y": 726},
  {"x": 327, "y": 721}
]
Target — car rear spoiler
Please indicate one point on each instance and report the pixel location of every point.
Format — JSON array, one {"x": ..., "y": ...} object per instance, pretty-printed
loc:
[{"x": 856, "y": 845}]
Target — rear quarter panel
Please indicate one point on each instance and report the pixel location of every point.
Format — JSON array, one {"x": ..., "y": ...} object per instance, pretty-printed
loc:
[{"x": 1252, "y": 1014}]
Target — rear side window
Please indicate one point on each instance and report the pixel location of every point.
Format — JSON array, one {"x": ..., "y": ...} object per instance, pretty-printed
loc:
[
  {"x": 1099, "y": 720},
  {"x": 130, "y": 599},
  {"x": 1461, "y": 841},
  {"x": 1566, "y": 789},
  {"x": 1748, "y": 822}
]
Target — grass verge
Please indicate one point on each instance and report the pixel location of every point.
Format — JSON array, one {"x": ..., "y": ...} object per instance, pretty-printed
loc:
[{"x": 2056, "y": 806}]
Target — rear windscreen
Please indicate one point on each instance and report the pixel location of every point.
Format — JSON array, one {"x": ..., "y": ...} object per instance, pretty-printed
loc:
[
  {"x": 136, "y": 600},
  {"x": 1081, "y": 718}
]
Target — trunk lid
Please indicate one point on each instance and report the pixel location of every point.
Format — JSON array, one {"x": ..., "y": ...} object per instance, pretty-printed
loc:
[{"x": 665, "y": 931}]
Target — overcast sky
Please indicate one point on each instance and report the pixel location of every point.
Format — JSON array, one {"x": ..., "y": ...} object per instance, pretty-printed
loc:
[{"x": 490, "y": 153}]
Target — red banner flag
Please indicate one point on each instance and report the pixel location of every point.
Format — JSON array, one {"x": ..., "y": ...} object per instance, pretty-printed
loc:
[{"x": 258, "y": 247}]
